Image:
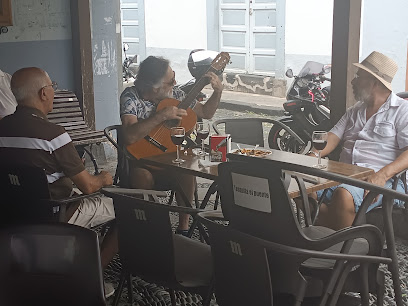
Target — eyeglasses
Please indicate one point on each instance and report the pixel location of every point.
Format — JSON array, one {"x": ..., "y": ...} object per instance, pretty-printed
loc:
[
  {"x": 53, "y": 84},
  {"x": 173, "y": 80}
]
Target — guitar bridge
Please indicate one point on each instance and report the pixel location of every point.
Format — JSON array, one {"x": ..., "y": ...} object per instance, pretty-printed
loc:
[{"x": 155, "y": 143}]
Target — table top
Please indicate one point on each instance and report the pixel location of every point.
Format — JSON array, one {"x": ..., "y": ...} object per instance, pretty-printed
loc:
[{"x": 192, "y": 166}]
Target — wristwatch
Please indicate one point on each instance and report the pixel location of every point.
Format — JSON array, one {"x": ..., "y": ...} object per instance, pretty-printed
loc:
[{"x": 313, "y": 152}]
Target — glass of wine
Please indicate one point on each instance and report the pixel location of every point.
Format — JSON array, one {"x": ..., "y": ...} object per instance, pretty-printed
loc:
[
  {"x": 319, "y": 140},
  {"x": 202, "y": 130},
  {"x": 177, "y": 137}
]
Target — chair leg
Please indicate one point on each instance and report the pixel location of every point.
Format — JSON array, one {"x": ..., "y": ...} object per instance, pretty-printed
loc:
[
  {"x": 339, "y": 284},
  {"x": 118, "y": 292},
  {"x": 217, "y": 198},
  {"x": 207, "y": 296},
  {"x": 300, "y": 294},
  {"x": 364, "y": 287},
  {"x": 380, "y": 288},
  {"x": 197, "y": 204},
  {"x": 391, "y": 249},
  {"x": 172, "y": 297},
  {"x": 130, "y": 289},
  {"x": 171, "y": 197}
]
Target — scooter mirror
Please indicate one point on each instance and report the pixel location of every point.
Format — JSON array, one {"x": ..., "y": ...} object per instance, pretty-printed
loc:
[
  {"x": 125, "y": 47},
  {"x": 289, "y": 73},
  {"x": 326, "y": 69}
]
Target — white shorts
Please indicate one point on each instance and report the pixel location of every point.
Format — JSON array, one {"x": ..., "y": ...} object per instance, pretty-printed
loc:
[{"x": 93, "y": 211}]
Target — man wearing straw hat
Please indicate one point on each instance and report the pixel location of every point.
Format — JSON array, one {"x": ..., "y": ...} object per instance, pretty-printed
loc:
[{"x": 374, "y": 134}]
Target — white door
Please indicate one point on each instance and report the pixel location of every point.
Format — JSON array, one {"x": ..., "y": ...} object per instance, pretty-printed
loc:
[
  {"x": 252, "y": 31},
  {"x": 133, "y": 29}
]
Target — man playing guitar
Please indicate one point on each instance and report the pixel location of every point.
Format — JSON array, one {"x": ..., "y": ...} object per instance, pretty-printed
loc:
[{"x": 154, "y": 82}]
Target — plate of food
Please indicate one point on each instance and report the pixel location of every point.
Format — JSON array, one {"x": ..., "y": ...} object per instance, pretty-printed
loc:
[{"x": 253, "y": 152}]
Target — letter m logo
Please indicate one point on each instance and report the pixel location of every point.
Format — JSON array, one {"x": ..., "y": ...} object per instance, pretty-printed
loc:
[
  {"x": 236, "y": 248},
  {"x": 14, "y": 180},
  {"x": 140, "y": 215}
]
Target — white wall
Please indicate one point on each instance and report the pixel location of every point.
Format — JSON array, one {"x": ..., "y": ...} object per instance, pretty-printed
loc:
[
  {"x": 39, "y": 20},
  {"x": 385, "y": 29},
  {"x": 173, "y": 29},
  {"x": 40, "y": 36},
  {"x": 177, "y": 24},
  {"x": 308, "y": 34},
  {"x": 309, "y": 27}
]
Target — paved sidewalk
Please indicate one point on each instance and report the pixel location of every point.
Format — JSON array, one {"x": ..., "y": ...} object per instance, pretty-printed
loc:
[{"x": 240, "y": 101}]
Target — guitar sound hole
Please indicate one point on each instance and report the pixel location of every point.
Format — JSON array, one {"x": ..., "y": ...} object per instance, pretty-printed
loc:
[{"x": 172, "y": 123}]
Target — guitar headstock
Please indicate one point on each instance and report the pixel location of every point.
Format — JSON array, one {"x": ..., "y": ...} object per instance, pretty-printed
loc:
[{"x": 219, "y": 63}]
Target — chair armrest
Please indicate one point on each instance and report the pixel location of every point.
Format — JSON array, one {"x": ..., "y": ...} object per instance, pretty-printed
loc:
[
  {"x": 212, "y": 215},
  {"x": 107, "y": 135},
  {"x": 366, "y": 231},
  {"x": 400, "y": 174},
  {"x": 147, "y": 194},
  {"x": 321, "y": 254},
  {"x": 76, "y": 198},
  {"x": 360, "y": 217},
  {"x": 130, "y": 191}
]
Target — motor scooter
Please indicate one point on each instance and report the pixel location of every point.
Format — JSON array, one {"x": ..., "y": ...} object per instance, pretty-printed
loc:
[
  {"x": 128, "y": 69},
  {"x": 199, "y": 61},
  {"x": 306, "y": 109}
]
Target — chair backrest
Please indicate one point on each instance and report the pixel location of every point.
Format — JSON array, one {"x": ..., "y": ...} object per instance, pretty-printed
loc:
[
  {"x": 255, "y": 200},
  {"x": 243, "y": 130},
  {"x": 145, "y": 238},
  {"x": 115, "y": 136},
  {"x": 50, "y": 264},
  {"x": 241, "y": 268},
  {"x": 25, "y": 195}
]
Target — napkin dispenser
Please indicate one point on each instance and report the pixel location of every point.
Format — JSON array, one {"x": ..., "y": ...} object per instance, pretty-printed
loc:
[{"x": 220, "y": 145}]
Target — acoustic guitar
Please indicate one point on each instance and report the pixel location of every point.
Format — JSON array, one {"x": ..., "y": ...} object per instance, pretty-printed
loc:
[{"x": 158, "y": 141}]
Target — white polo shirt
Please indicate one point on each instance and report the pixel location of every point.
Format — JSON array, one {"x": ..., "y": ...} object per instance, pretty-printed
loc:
[
  {"x": 380, "y": 140},
  {"x": 7, "y": 100}
]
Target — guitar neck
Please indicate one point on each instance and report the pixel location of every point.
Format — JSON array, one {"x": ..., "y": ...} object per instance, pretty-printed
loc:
[{"x": 198, "y": 86}]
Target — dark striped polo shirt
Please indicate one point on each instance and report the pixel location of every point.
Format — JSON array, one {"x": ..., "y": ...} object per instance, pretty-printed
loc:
[{"x": 27, "y": 138}]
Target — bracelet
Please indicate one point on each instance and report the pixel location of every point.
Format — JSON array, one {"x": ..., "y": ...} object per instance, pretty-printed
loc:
[{"x": 313, "y": 152}]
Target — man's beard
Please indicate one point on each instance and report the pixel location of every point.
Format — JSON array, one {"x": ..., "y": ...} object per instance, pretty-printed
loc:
[
  {"x": 162, "y": 94},
  {"x": 363, "y": 95}
]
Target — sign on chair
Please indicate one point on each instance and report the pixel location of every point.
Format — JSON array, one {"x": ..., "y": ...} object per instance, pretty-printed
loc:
[
  {"x": 236, "y": 248},
  {"x": 140, "y": 215},
  {"x": 251, "y": 192},
  {"x": 14, "y": 179}
]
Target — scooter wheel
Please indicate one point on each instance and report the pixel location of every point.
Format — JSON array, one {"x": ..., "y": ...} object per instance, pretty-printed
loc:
[{"x": 280, "y": 139}]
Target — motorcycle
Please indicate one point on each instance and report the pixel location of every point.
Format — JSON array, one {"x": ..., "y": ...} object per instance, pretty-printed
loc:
[
  {"x": 306, "y": 109},
  {"x": 128, "y": 71}
]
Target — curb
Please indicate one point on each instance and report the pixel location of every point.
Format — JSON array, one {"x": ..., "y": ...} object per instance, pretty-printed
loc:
[{"x": 250, "y": 107}]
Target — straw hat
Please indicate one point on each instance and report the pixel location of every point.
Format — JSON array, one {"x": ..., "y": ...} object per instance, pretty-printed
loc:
[{"x": 380, "y": 66}]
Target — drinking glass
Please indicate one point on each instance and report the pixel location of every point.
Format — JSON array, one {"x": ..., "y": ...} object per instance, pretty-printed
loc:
[
  {"x": 177, "y": 137},
  {"x": 319, "y": 140},
  {"x": 202, "y": 130}
]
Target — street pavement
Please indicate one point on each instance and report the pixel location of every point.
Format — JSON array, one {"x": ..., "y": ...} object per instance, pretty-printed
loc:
[{"x": 248, "y": 102}]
